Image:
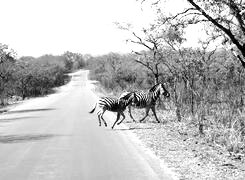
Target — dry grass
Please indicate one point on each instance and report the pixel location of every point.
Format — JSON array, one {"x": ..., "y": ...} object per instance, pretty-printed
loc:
[{"x": 191, "y": 155}]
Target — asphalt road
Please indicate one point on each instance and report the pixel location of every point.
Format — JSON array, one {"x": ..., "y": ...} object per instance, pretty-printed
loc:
[{"x": 55, "y": 137}]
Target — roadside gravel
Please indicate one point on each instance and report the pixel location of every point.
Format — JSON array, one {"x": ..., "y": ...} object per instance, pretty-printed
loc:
[{"x": 185, "y": 151}]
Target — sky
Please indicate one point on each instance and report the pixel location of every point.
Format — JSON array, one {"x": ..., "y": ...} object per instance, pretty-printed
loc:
[{"x": 38, "y": 27}]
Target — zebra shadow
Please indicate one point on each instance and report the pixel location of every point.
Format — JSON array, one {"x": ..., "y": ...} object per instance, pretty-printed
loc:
[
  {"x": 29, "y": 110},
  {"x": 132, "y": 128}
]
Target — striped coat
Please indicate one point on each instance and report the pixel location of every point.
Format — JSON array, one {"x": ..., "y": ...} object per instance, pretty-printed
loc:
[
  {"x": 113, "y": 104},
  {"x": 148, "y": 100}
]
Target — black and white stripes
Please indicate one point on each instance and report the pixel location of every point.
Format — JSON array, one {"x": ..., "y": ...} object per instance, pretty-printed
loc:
[
  {"x": 148, "y": 100},
  {"x": 137, "y": 99},
  {"x": 113, "y": 104}
]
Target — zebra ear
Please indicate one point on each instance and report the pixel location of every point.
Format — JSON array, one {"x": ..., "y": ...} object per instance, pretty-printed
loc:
[{"x": 164, "y": 85}]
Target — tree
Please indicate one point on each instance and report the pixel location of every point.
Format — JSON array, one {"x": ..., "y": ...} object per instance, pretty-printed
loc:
[
  {"x": 7, "y": 59},
  {"x": 225, "y": 18},
  {"x": 151, "y": 58},
  {"x": 73, "y": 60},
  {"x": 22, "y": 77},
  {"x": 37, "y": 76}
]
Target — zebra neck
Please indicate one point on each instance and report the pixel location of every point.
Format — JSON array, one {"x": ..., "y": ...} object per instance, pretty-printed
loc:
[{"x": 155, "y": 95}]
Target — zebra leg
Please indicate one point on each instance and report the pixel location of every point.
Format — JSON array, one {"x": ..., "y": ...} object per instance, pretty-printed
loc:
[
  {"x": 146, "y": 113},
  {"x": 99, "y": 119},
  {"x": 103, "y": 118},
  {"x": 154, "y": 112},
  {"x": 130, "y": 113},
  {"x": 122, "y": 118},
  {"x": 118, "y": 117}
]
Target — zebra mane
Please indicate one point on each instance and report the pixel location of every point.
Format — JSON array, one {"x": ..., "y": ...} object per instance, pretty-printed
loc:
[
  {"x": 154, "y": 87},
  {"x": 125, "y": 95}
]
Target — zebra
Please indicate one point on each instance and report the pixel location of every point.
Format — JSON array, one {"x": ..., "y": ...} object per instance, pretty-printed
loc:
[
  {"x": 115, "y": 105},
  {"x": 148, "y": 100}
]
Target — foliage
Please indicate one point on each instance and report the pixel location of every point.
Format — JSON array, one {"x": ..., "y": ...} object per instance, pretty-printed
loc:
[
  {"x": 118, "y": 72},
  {"x": 36, "y": 77},
  {"x": 73, "y": 61},
  {"x": 7, "y": 59},
  {"x": 29, "y": 76},
  {"x": 223, "y": 20}
]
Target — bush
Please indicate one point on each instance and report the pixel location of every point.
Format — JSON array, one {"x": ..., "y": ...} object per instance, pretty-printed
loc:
[{"x": 35, "y": 77}]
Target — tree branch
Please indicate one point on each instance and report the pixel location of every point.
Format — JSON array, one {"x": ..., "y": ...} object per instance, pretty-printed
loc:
[
  {"x": 145, "y": 64},
  {"x": 213, "y": 21},
  {"x": 238, "y": 56}
]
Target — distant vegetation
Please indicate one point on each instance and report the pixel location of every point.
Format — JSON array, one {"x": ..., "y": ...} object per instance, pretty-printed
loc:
[
  {"x": 30, "y": 77},
  {"x": 117, "y": 72}
]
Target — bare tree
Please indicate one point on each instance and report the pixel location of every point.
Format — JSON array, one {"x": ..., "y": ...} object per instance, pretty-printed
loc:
[
  {"x": 151, "y": 58},
  {"x": 226, "y": 18}
]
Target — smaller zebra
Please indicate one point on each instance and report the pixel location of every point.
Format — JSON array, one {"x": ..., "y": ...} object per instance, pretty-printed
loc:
[
  {"x": 115, "y": 105},
  {"x": 148, "y": 100}
]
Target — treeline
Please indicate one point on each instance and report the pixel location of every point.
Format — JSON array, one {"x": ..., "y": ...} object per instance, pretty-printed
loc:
[
  {"x": 29, "y": 77},
  {"x": 118, "y": 72}
]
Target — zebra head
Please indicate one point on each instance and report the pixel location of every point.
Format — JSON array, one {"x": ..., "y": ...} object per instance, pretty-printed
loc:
[
  {"x": 163, "y": 90},
  {"x": 159, "y": 88}
]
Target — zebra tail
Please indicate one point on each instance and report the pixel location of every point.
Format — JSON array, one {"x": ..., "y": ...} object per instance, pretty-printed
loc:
[{"x": 93, "y": 109}]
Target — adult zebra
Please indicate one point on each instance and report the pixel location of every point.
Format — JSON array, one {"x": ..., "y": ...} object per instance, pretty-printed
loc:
[
  {"x": 148, "y": 100},
  {"x": 115, "y": 105}
]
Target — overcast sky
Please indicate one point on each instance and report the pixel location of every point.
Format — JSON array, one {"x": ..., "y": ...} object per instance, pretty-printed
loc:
[{"x": 38, "y": 27}]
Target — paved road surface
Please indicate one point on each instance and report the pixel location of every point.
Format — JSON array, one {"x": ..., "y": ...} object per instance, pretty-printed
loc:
[{"x": 55, "y": 137}]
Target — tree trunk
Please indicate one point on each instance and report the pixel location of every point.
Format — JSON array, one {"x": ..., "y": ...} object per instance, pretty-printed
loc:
[
  {"x": 192, "y": 96},
  {"x": 156, "y": 78},
  {"x": 2, "y": 101},
  {"x": 242, "y": 128},
  {"x": 177, "y": 103},
  {"x": 178, "y": 114},
  {"x": 201, "y": 117}
]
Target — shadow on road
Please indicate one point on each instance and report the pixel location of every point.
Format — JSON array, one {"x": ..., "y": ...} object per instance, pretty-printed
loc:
[
  {"x": 132, "y": 128},
  {"x": 6, "y": 120},
  {"x": 8, "y": 139},
  {"x": 30, "y": 110}
]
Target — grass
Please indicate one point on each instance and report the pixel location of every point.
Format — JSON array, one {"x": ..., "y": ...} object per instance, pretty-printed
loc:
[{"x": 193, "y": 156}]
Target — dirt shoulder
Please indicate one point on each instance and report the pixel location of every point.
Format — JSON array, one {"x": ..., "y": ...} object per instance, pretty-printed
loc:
[{"x": 180, "y": 146}]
